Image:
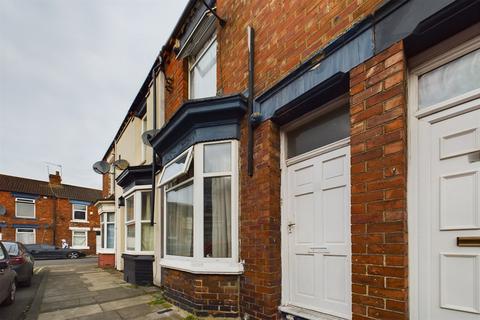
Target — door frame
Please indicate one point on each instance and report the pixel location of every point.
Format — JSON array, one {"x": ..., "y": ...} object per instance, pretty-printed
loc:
[
  {"x": 462, "y": 104},
  {"x": 284, "y": 163}
]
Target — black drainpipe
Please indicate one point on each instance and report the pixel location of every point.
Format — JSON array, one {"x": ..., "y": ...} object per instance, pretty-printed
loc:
[
  {"x": 154, "y": 156},
  {"x": 251, "y": 35}
]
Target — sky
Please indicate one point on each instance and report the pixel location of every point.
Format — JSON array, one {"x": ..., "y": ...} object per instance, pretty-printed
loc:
[{"x": 69, "y": 71}]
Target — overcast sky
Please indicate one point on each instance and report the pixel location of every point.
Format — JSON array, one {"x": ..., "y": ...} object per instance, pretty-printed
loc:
[{"x": 69, "y": 71}]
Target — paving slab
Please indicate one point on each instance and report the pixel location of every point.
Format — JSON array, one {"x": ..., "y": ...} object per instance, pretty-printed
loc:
[{"x": 84, "y": 291}]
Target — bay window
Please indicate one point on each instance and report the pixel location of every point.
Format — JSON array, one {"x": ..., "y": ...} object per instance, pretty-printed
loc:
[
  {"x": 139, "y": 232},
  {"x": 200, "y": 208},
  {"x": 107, "y": 228}
]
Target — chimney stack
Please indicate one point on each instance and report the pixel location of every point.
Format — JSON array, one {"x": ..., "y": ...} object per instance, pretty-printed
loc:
[{"x": 55, "y": 179}]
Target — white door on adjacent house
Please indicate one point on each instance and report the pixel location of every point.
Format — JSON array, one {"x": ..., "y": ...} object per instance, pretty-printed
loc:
[
  {"x": 98, "y": 241},
  {"x": 449, "y": 274},
  {"x": 318, "y": 213}
]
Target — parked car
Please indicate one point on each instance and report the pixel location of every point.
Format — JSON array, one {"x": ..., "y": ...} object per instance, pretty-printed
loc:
[
  {"x": 21, "y": 261},
  {"x": 46, "y": 251},
  {"x": 8, "y": 278}
]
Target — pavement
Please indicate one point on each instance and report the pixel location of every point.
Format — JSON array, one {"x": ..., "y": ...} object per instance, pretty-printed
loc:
[{"x": 78, "y": 289}]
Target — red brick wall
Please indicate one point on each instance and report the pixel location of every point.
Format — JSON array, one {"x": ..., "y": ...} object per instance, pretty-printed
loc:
[
  {"x": 202, "y": 295},
  {"x": 44, "y": 208},
  {"x": 106, "y": 260},
  {"x": 177, "y": 71},
  {"x": 379, "y": 216},
  {"x": 106, "y": 185},
  {"x": 260, "y": 239}
]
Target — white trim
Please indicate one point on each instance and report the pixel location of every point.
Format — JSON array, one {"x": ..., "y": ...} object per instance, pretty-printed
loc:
[
  {"x": 319, "y": 151},
  {"x": 85, "y": 232},
  {"x": 79, "y": 228},
  {"x": 79, "y": 221},
  {"x": 198, "y": 263},
  {"x": 204, "y": 267},
  {"x": 188, "y": 160},
  {"x": 106, "y": 251},
  {"x": 73, "y": 212},
  {"x": 96, "y": 229},
  {"x": 126, "y": 194},
  {"x": 438, "y": 112},
  {"x": 34, "y": 234},
  {"x": 197, "y": 58},
  {"x": 442, "y": 59},
  {"x": 26, "y": 200},
  {"x": 136, "y": 222}
]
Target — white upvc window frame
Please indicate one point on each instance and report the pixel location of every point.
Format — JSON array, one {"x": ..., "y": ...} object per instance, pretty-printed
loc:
[
  {"x": 29, "y": 201},
  {"x": 136, "y": 193},
  {"x": 441, "y": 60},
  {"x": 73, "y": 213},
  {"x": 144, "y": 128},
  {"x": 26, "y": 228},
  {"x": 103, "y": 229},
  {"x": 183, "y": 170},
  {"x": 83, "y": 230},
  {"x": 193, "y": 61},
  {"x": 198, "y": 263}
]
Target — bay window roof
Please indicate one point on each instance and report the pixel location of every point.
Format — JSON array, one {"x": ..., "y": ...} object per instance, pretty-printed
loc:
[
  {"x": 135, "y": 176},
  {"x": 200, "y": 120}
]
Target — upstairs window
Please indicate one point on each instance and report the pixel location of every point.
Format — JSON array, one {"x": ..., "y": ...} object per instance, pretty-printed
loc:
[
  {"x": 79, "y": 212},
  {"x": 24, "y": 208},
  {"x": 203, "y": 72}
]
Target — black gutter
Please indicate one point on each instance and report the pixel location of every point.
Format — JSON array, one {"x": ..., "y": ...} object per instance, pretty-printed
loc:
[{"x": 251, "y": 36}]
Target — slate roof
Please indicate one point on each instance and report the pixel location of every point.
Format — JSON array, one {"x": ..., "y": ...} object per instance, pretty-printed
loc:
[{"x": 43, "y": 188}]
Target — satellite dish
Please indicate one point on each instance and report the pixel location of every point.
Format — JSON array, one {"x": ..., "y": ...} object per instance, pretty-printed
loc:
[
  {"x": 147, "y": 136},
  {"x": 2, "y": 210},
  {"x": 101, "y": 167},
  {"x": 121, "y": 164}
]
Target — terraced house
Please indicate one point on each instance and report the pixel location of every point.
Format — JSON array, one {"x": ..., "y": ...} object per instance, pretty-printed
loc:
[
  {"x": 45, "y": 212},
  {"x": 311, "y": 159}
]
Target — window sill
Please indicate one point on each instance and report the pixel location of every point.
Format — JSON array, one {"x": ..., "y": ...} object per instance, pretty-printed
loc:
[
  {"x": 79, "y": 221},
  {"x": 203, "y": 267},
  {"x": 80, "y": 248},
  {"x": 139, "y": 253},
  {"x": 106, "y": 251},
  {"x": 29, "y": 218}
]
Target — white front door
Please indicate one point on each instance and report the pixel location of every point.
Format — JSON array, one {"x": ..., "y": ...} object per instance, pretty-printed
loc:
[
  {"x": 318, "y": 213},
  {"x": 449, "y": 209}
]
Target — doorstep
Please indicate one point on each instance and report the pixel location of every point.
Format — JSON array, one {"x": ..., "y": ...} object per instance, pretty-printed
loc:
[{"x": 294, "y": 312}]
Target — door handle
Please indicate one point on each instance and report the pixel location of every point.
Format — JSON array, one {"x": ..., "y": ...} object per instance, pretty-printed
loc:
[
  {"x": 290, "y": 227},
  {"x": 468, "y": 241}
]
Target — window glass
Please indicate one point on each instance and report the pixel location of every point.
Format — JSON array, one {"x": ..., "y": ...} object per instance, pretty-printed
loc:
[
  {"x": 79, "y": 239},
  {"x": 12, "y": 248},
  {"x": 129, "y": 208},
  {"x": 147, "y": 236},
  {"x": 131, "y": 237},
  {"x": 203, "y": 73},
  {"x": 110, "y": 235},
  {"x": 450, "y": 80},
  {"x": 324, "y": 130},
  {"x": 217, "y": 157},
  {"x": 146, "y": 214},
  {"x": 26, "y": 236},
  {"x": 217, "y": 217},
  {"x": 179, "y": 224},
  {"x": 79, "y": 212},
  {"x": 110, "y": 217},
  {"x": 25, "y": 208},
  {"x": 176, "y": 168}
]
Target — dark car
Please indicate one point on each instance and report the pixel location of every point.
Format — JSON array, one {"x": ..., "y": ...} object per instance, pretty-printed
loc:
[
  {"x": 8, "y": 278},
  {"x": 21, "y": 261},
  {"x": 46, "y": 251}
]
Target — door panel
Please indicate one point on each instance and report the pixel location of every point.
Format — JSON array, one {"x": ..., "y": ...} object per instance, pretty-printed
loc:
[
  {"x": 449, "y": 208},
  {"x": 318, "y": 204}
]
